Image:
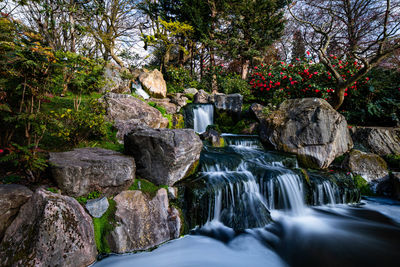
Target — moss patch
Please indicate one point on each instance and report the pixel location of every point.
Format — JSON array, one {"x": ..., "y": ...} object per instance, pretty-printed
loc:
[
  {"x": 192, "y": 170},
  {"x": 103, "y": 226},
  {"x": 362, "y": 185},
  {"x": 393, "y": 161},
  {"x": 305, "y": 175},
  {"x": 146, "y": 187}
]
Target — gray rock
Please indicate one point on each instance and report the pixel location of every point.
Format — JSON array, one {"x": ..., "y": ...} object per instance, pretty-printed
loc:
[
  {"x": 257, "y": 111},
  {"x": 180, "y": 100},
  {"x": 143, "y": 222},
  {"x": 172, "y": 192},
  {"x": 169, "y": 107},
  {"x": 153, "y": 82},
  {"x": 12, "y": 197},
  {"x": 84, "y": 170},
  {"x": 97, "y": 207},
  {"x": 310, "y": 128},
  {"x": 369, "y": 166},
  {"x": 190, "y": 91},
  {"x": 231, "y": 103},
  {"x": 50, "y": 230},
  {"x": 213, "y": 137},
  {"x": 378, "y": 140},
  {"x": 114, "y": 82},
  {"x": 164, "y": 156},
  {"x": 127, "y": 112},
  {"x": 201, "y": 97},
  {"x": 251, "y": 129}
]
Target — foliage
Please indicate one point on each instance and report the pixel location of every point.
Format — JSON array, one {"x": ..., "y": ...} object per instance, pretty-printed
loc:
[
  {"x": 78, "y": 125},
  {"x": 376, "y": 103},
  {"x": 92, "y": 195},
  {"x": 276, "y": 82},
  {"x": 77, "y": 74},
  {"x": 11, "y": 179},
  {"x": 52, "y": 189},
  {"x": 362, "y": 185},
  {"x": 27, "y": 158},
  {"x": 393, "y": 161},
  {"x": 234, "y": 84},
  {"x": 178, "y": 79},
  {"x": 103, "y": 226}
]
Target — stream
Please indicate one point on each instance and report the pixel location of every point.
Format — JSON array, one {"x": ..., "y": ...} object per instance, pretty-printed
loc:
[{"x": 252, "y": 207}]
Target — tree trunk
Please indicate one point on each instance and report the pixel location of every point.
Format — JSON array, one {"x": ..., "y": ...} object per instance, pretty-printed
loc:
[
  {"x": 72, "y": 22},
  {"x": 245, "y": 68},
  {"x": 117, "y": 59},
  {"x": 338, "y": 97}
]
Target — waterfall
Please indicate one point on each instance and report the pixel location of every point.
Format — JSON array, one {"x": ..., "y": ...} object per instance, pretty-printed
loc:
[
  {"x": 240, "y": 184},
  {"x": 139, "y": 90},
  {"x": 327, "y": 193},
  {"x": 203, "y": 115}
]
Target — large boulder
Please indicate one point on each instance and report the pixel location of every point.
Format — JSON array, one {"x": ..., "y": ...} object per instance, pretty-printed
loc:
[
  {"x": 12, "y": 197},
  {"x": 50, "y": 230},
  {"x": 231, "y": 103},
  {"x": 143, "y": 221},
  {"x": 369, "y": 166},
  {"x": 84, "y": 170},
  {"x": 310, "y": 128},
  {"x": 127, "y": 112},
  {"x": 378, "y": 140},
  {"x": 114, "y": 81},
  {"x": 164, "y": 156},
  {"x": 396, "y": 185},
  {"x": 153, "y": 82}
]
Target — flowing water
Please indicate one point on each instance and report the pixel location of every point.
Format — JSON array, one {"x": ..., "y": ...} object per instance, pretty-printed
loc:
[
  {"x": 139, "y": 90},
  {"x": 252, "y": 207},
  {"x": 203, "y": 115}
]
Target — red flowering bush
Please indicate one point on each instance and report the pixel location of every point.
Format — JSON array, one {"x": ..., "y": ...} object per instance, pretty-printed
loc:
[{"x": 304, "y": 78}]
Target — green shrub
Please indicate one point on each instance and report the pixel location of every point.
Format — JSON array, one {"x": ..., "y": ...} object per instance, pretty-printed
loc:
[
  {"x": 233, "y": 84},
  {"x": 362, "y": 185},
  {"x": 178, "y": 79},
  {"x": 92, "y": 195}
]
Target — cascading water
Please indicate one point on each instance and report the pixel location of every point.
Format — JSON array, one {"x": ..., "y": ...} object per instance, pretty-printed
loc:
[
  {"x": 203, "y": 115},
  {"x": 255, "y": 202},
  {"x": 139, "y": 90}
]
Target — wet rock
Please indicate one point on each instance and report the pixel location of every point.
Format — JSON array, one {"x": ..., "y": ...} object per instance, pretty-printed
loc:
[
  {"x": 12, "y": 197},
  {"x": 396, "y": 185},
  {"x": 231, "y": 103},
  {"x": 251, "y": 129},
  {"x": 153, "y": 82},
  {"x": 114, "y": 82},
  {"x": 84, "y": 170},
  {"x": 169, "y": 107},
  {"x": 172, "y": 192},
  {"x": 127, "y": 112},
  {"x": 164, "y": 156},
  {"x": 256, "y": 110},
  {"x": 378, "y": 140},
  {"x": 97, "y": 207},
  {"x": 201, "y": 97},
  {"x": 50, "y": 230},
  {"x": 310, "y": 128},
  {"x": 369, "y": 166},
  {"x": 143, "y": 221},
  {"x": 213, "y": 137}
]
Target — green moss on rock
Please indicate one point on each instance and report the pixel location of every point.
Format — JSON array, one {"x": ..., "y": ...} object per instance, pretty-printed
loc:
[
  {"x": 362, "y": 185},
  {"x": 103, "y": 226},
  {"x": 146, "y": 187}
]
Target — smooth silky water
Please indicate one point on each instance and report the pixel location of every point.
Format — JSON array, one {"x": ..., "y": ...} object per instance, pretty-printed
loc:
[{"x": 252, "y": 207}]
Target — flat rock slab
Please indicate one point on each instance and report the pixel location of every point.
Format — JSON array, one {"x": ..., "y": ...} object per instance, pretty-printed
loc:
[
  {"x": 85, "y": 170},
  {"x": 50, "y": 230},
  {"x": 143, "y": 221},
  {"x": 97, "y": 207},
  {"x": 12, "y": 197},
  {"x": 164, "y": 156},
  {"x": 309, "y": 128}
]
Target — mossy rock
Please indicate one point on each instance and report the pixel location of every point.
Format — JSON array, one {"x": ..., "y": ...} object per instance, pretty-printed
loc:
[{"x": 103, "y": 226}]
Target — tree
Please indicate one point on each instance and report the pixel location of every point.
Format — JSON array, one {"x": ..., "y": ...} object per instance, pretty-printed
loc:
[
  {"x": 298, "y": 46},
  {"x": 248, "y": 28},
  {"x": 367, "y": 31}
]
